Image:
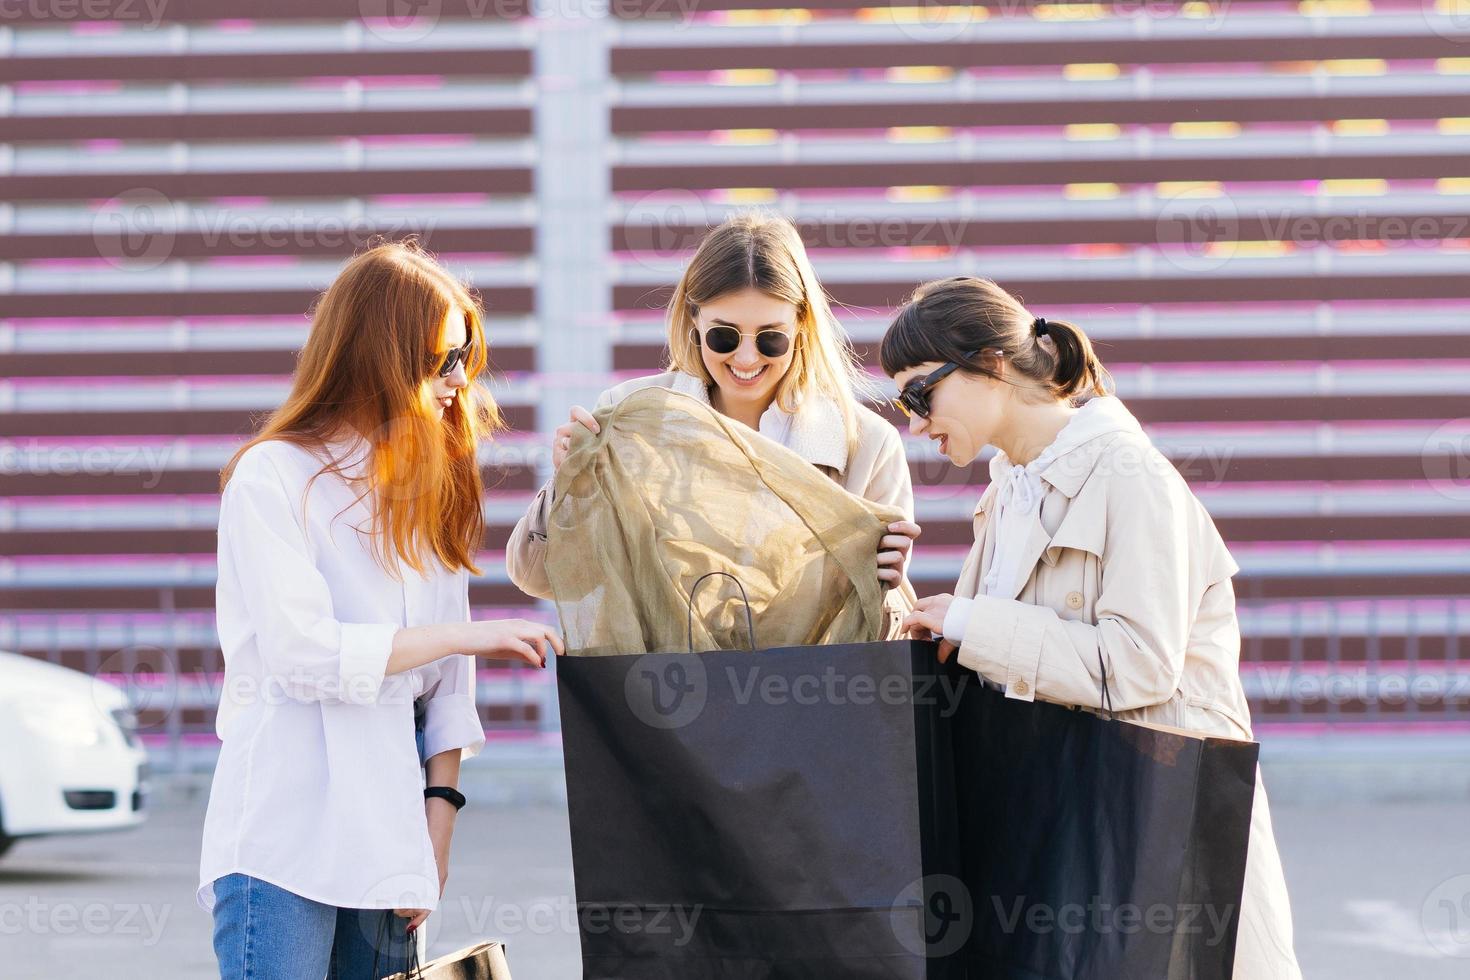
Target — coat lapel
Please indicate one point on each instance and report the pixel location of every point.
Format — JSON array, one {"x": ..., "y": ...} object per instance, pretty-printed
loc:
[{"x": 1036, "y": 541}]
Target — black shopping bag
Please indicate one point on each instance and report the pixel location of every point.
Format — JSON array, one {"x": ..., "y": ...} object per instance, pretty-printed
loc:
[
  {"x": 784, "y": 813},
  {"x": 1098, "y": 849}
]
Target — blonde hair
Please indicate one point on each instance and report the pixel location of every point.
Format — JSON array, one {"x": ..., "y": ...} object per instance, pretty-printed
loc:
[
  {"x": 375, "y": 334},
  {"x": 764, "y": 251}
]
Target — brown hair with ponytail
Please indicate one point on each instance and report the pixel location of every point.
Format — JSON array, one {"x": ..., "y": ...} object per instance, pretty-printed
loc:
[{"x": 946, "y": 319}]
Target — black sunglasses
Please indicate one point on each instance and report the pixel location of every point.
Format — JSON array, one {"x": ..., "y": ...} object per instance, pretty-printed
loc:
[
  {"x": 725, "y": 340},
  {"x": 456, "y": 357},
  {"x": 914, "y": 398}
]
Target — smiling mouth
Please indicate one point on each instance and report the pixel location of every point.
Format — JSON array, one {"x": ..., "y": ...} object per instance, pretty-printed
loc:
[
  {"x": 747, "y": 377},
  {"x": 447, "y": 401}
]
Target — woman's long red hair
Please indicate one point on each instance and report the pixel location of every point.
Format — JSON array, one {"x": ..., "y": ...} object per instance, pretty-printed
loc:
[{"x": 367, "y": 366}]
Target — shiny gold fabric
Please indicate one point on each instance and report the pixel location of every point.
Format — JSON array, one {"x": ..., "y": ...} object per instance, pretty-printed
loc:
[{"x": 671, "y": 489}]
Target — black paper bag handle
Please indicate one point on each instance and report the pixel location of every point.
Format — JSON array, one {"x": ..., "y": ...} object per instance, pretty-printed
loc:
[
  {"x": 1105, "y": 696},
  {"x": 413, "y": 969},
  {"x": 749, "y": 619}
]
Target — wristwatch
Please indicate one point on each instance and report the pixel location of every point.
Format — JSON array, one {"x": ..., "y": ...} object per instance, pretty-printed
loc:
[{"x": 449, "y": 793}]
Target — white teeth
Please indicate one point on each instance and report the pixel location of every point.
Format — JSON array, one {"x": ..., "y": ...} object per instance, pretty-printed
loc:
[{"x": 746, "y": 377}]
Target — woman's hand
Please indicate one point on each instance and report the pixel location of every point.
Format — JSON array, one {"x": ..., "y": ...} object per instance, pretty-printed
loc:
[
  {"x": 441, "y": 815},
  {"x": 926, "y": 622},
  {"x": 511, "y": 639},
  {"x": 894, "y": 550},
  {"x": 415, "y": 917},
  {"x": 561, "y": 439}
]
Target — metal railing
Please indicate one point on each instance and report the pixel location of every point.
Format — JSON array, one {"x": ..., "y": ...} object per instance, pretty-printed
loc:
[{"x": 1332, "y": 661}]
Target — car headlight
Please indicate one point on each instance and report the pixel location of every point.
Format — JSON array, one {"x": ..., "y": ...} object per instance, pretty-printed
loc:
[
  {"x": 73, "y": 724},
  {"x": 127, "y": 723}
]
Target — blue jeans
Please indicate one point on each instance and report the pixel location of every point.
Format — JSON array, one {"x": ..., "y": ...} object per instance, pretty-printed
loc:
[{"x": 263, "y": 932}]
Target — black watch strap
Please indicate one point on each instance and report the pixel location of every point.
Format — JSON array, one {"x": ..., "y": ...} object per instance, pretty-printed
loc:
[{"x": 454, "y": 796}]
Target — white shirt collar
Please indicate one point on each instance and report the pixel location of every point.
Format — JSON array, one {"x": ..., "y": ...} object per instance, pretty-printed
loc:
[{"x": 816, "y": 431}]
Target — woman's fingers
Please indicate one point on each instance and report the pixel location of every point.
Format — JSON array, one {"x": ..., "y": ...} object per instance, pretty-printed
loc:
[
  {"x": 908, "y": 529},
  {"x": 890, "y": 558},
  {"x": 538, "y": 643},
  {"x": 945, "y": 649},
  {"x": 557, "y": 644},
  {"x": 924, "y": 619},
  {"x": 526, "y": 652},
  {"x": 415, "y": 917},
  {"x": 889, "y": 576},
  {"x": 899, "y": 542},
  {"x": 929, "y": 602},
  {"x": 581, "y": 415}
]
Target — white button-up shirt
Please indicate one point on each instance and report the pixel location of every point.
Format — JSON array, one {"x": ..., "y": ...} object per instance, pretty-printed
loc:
[{"x": 318, "y": 788}]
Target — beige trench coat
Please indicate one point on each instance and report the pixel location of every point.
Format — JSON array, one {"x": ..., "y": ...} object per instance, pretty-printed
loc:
[
  {"x": 1128, "y": 574},
  {"x": 876, "y": 469}
]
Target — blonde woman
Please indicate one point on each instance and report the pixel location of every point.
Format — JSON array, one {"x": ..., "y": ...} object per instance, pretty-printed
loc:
[
  {"x": 1091, "y": 554},
  {"x": 347, "y": 532},
  {"x": 751, "y": 334}
]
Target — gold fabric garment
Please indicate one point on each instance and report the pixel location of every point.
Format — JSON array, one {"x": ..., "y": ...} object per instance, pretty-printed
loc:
[{"x": 671, "y": 489}]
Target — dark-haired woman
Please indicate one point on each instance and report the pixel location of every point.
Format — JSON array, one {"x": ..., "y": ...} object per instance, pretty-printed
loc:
[{"x": 1091, "y": 553}]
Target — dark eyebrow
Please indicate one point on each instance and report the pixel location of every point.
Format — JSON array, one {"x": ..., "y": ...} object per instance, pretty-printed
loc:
[{"x": 727, "y": 323}]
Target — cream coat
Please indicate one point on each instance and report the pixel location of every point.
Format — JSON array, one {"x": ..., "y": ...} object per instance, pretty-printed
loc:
[
  {"x": 875, "y": 469},
  {"x": 1124, "y": 571}
]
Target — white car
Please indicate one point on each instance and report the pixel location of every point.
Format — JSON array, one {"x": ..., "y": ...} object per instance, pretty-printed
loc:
[{"x": 70, "y": 759}]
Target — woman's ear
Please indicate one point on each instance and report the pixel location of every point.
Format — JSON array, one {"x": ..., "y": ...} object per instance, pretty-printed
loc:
[{"x": 993, "y": 361}]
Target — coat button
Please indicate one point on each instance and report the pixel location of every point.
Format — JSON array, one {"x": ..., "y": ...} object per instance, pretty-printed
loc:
[
  {"x": 1074, "y": 600},
  {"x": 1021, "y": 687}
]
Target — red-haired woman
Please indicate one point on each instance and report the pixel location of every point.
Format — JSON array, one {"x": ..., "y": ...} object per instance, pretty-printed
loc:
[{"x": 347, "y": 533}]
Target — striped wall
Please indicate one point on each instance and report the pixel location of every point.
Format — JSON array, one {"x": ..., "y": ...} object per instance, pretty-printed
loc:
[{"x": 1261, "y": 210}]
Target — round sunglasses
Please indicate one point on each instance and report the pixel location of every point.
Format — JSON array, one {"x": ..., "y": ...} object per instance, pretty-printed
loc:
[{"x": 726, "y": 340}]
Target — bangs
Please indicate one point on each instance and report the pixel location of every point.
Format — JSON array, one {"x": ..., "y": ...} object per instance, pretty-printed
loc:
[{"x": 907, "y": 343}]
